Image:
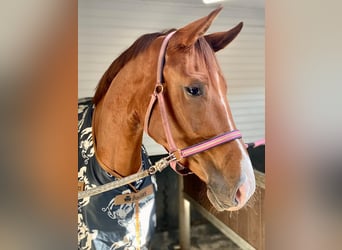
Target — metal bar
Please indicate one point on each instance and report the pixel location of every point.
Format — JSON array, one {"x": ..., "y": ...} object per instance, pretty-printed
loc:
[{"x": 184, "y": 217}]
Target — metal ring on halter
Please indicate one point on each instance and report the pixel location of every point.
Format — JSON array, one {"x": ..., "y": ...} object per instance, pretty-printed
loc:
[{"x": 159, "y": 88}]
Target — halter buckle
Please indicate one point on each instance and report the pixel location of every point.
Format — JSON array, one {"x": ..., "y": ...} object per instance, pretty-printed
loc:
[{"x": 177, "y": 154}]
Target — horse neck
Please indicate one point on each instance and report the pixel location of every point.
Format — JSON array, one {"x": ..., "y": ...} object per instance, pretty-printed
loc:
[{"x": 119, "y": 117}]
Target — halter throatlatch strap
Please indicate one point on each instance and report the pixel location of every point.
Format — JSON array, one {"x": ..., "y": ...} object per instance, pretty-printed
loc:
[{"x": 175, "y": 153}]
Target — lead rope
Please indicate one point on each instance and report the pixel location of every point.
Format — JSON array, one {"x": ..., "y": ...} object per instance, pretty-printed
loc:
[{"x": 157, "y": 167}]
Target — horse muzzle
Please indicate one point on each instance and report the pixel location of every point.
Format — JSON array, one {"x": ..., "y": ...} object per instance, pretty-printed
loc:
[{"x": 224, "y": 198}]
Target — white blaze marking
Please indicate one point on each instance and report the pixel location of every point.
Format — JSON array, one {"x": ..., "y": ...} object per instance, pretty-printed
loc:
[
  {"x": 245, "y": 163},
  {"x": 247, "y": 169},
  {"x": 222, "y": 98}
]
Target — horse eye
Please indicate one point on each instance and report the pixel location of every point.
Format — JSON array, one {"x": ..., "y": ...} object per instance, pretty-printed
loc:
[{"x": 193, "y": 91}]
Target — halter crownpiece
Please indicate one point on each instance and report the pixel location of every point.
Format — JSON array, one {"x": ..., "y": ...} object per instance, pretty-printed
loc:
[{"x": 175, "y": 153}]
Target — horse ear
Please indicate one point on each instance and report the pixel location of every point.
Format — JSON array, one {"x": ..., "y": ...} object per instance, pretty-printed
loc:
[
  {"x": 219, "y": 40},
  {"x": 189, "y": 34}
]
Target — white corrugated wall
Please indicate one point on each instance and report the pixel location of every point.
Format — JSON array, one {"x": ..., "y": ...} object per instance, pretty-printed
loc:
[{"x": 108, "y": 27}]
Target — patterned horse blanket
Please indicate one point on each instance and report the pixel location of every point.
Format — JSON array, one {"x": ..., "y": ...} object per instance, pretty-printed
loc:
[{"x": 123, "y": 218}]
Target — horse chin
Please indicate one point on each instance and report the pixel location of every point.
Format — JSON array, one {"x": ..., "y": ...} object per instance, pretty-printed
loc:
[{"x": 221, "y": 206}]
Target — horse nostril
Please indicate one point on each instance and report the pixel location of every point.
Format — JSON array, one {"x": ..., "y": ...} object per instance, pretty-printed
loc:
[{"x": 238, "y": 196}]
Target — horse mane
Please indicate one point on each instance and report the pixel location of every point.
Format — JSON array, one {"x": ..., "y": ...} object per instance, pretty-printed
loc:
[{"x": 141, "y": 44}]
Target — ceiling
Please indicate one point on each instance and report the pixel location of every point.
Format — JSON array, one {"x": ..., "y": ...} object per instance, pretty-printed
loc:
[{"x": 260, "y": 4}]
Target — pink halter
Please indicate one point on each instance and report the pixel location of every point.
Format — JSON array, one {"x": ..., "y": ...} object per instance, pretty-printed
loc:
[{"x": 175, "y": 153}]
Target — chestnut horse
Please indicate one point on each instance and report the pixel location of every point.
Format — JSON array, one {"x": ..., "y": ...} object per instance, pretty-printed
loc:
[{"x": 188, "y": 107}]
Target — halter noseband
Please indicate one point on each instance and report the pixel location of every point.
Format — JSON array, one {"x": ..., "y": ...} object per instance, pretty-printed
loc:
[{"x": 175, "y": 153}]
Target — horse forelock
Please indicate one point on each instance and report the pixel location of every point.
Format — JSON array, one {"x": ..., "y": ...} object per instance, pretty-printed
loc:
[
  {"x": 207, "y": 54},
  {"x": 140, "y": 45}
]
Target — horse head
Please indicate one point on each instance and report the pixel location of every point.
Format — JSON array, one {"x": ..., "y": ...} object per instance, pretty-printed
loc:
[{"x": 198, "y": 109}]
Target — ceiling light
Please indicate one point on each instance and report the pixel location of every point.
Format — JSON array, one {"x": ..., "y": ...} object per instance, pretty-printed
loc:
[{"x": 211, "y": 1}]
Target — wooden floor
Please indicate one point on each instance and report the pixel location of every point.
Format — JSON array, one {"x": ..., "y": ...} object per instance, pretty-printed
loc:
[{"x": 203, "y": 237}]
